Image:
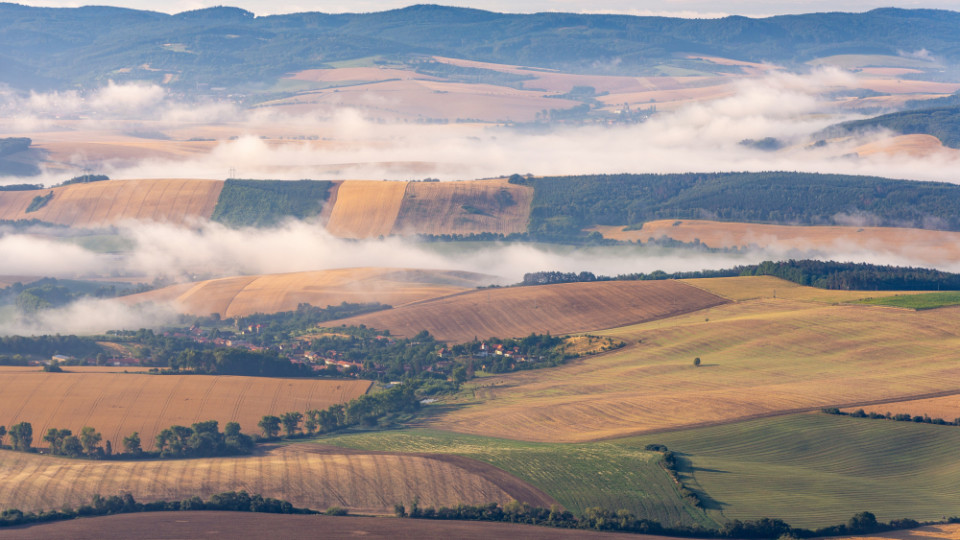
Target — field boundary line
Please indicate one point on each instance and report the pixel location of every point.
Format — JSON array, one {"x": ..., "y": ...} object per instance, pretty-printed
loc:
[{"x": 773, "y": 414}]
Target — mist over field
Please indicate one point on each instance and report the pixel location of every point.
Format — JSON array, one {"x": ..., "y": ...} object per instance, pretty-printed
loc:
[{"x": 701, "y": 136}]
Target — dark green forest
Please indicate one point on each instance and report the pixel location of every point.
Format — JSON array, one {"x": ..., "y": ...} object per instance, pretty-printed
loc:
[
  {"x": 263, "y": 203},
  {"x": 230, "y": 47},
  {"x": 564, "y": 206},
  {"x": 941, "y": 122}
]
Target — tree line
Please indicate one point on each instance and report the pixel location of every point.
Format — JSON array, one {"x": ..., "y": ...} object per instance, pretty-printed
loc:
[
  {"x": 899, "y": 417},
  {"x": 566, "y": 205},
  {"x": 812, "y": 273},
  {"x": 601, "y": 519}
]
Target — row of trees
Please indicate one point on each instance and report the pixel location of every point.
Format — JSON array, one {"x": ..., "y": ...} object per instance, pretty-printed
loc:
[
  {"x": 203, "y": 439},
  {"x": 602, "y": 519},
  {"x": 366, "y": 410}
]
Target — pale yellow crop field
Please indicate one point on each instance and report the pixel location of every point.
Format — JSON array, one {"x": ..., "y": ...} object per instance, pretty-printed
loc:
[
  {"x": 759, "y": 357},
  {"x": 366, "y": 208},
  {"x": 360, "y": 481}
]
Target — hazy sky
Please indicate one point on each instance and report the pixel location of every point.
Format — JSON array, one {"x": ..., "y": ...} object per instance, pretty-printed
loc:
[{"x": 686, "y": 8}]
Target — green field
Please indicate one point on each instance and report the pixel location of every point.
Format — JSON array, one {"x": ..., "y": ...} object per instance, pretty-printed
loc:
[
  {"x": 578, "y": 476},
  {"x": 816, "y": 469},
  {"x": 917, "y": 301}
]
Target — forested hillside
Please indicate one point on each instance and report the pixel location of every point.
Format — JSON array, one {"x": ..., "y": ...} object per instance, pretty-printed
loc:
[
  {"x": 231, "y": 47},
  {"x": 564, "y": 206},
  {"x": 262, "y": 203},
  {"x": 941, "y": 122}
]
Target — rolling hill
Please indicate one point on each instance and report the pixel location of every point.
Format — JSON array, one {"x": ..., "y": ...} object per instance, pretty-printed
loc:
[
  {"x": 765, "y": 356},
  {"x": 271, "y": 293},
  {"x": 558, "y": 309}
]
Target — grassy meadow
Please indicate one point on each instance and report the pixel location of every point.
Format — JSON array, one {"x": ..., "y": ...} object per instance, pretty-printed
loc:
[
  {"x": 917, "y": 301},
  {"x": 578, "y": 476}
]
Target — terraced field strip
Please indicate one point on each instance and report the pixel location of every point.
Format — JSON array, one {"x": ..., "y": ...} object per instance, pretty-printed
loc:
[
  {"x": 758, "y": 357},
  {"x": 242, "y": 525},
  {"x": 559, "y": 309},
  {"x": 98, "y": 204},
  {"x": 917, "y": 244},
  {"x": 577, "y": 476},
  {"x": 477, "y": 206},
  {"x": 270, "y": 293},
  {"x": 117, "y": 404},
  {"x": 361, "y": 481},
  {"x": 366, "y": 208},
  {"x": 816, "y": 469}
]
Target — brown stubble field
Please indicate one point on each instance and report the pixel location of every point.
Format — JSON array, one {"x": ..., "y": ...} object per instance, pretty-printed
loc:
[
  {"x": 558, "y": 309},
  {"x": 761, "y": 357},
  {"x": 270, "y": 293},
  {"x": 478, "y": 206},
  {"x": 217, "y": 525},
  {"x": 302, "y": 474},
  {"x": 118, "y": 404}
]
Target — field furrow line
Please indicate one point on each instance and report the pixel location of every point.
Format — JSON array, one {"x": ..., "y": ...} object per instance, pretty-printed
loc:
[
  {"x": 201, "y": 407},
  {"x": 238, "y": 403},
  {"x": 132, "y": 404},
  {"x": 163, "y": 409}
]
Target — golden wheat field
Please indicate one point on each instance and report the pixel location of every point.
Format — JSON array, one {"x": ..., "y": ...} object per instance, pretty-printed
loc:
[
  {"x": 117, "y": 404},
  {"x": 945, "y": 407},
  {"x": 271, "y": 293},
  {"x": 477, "y": 206},
  {"x": 920, "y": 244},
  {"x": 302, "y": 474},
  {"x": 366, "y": 208},
  {"x": 105, "y": 203},
  {"x": 916, "y": 145},
  {"x": 759, "y": 357},
  {"x": 559, "y": 309},
  {"x": 753, "y": 287}
]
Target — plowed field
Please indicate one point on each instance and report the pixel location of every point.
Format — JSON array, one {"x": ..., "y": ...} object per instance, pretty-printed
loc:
[
  {"x": 759, "y": 357},
  {"x": 117, "y": 404},
  {"x": 919, "y": 244},
  {"x": 99, "y": 204},
  {"x": 464, "y": 208},
  {"x": 559, "y": 309},
  {"x": 218, "y": 525},
  {"x": 364, "y": 481},
  {"x": 244, "y": 295}
]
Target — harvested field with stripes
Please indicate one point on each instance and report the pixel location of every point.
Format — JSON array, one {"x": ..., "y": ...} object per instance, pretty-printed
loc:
[
  {"x": 303, "y": 474},
  {"x": 117, "y": 404},
  {"x": 100, "y": 204},
  {"x": 754, "y": 287},
  {"x": 217, "y": 525},
  {"x": 558, "y": 309},
  {"x": 366, "y": 208},
  {"x": 915, "y": 244},
  {"x": 759, "y": 357},
  {"x": 464, "y": 208},
  {"x": 270, "y": 293}
]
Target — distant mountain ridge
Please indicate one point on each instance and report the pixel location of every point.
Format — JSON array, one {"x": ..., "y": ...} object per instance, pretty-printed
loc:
[{"x": 230, "y": 47}]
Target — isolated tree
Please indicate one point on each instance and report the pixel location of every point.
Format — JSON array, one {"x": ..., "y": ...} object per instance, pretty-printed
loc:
[
  {"x": 270, "y": 425},
  {"x": 696, "y": 362},
  {"x": 90, "y": 439},
  {"x": 291, "y": 422},
  {"x": 21, "y": 436},
  {"x": 131, "y": 444}
]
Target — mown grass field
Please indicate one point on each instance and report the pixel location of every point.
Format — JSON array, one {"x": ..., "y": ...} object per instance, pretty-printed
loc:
[
  {"x": 117, "y": 404},
  {"x": 559, "y": 309},
  {"x": 917, "y": 301},
  {"x": 271, "y": 293},
  {"x": 759, "y": 357},
  {"x": 816, "y": 469},
  {"x": 578, "y": 476},
  {"x": 369, "y": 482}
]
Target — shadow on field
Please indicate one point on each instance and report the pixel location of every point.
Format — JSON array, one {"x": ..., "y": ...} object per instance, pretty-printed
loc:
[
  {"x": 687, "y": 473},
  {"x": 434, "y": 410}
]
